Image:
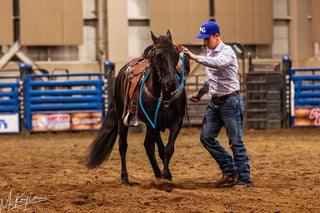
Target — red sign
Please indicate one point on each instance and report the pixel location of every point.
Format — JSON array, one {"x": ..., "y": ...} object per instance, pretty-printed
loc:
[
  {"x": 307, "y": 117},
  {"x": 315, "y": 114}
]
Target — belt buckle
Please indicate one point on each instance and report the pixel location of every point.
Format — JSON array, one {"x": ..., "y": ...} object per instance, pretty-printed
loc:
[{"x": 215, "y": 99}]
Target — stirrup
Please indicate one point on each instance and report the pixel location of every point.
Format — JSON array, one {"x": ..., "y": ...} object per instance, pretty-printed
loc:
[{"x": 127, "y": 121}]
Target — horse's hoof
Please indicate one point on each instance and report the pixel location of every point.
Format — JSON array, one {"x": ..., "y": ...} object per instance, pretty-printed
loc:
[
  {"x": 158, "y": 174},
  {"x": 166, "y": 176},
  {"x": 126, "y": 183}
]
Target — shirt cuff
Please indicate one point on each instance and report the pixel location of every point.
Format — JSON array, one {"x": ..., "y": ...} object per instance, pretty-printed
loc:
[{"x": 201, "y": 92}]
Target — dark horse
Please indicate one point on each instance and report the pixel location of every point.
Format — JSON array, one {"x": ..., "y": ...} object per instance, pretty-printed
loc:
[{"x": 162, "y": 97}]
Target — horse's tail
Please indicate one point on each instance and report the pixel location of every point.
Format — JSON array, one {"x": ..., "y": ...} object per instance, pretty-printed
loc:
[{"x": 102, "y": 145}]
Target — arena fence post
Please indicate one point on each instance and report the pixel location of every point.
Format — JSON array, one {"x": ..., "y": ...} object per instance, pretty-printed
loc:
[
  {"x": 25, "y": 69},
  {"x": 286, "y": 69}
]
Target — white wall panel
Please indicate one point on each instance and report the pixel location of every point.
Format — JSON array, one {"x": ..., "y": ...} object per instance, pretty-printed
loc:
[
  {"x": 280, "y": 44},
  {"x": 89, "y": 9},
  {"x": 88, "y": 51},
  {"x": 280, "y": 8},
  {"x": 138, "y": 9},
  {"x": 139, "y": 39}
]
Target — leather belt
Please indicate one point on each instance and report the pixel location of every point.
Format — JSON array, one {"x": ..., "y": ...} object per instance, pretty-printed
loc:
[{"x": 221, "y": 99}]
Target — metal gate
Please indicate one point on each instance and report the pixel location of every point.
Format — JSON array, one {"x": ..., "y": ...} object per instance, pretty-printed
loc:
[
  {"x": 305, "y": 96},
  {"x": 58, "y": 102},
  {"x": 9, "y": 104}
]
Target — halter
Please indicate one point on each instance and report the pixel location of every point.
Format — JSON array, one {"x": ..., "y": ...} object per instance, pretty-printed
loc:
[{"x": 154, "y": 122}]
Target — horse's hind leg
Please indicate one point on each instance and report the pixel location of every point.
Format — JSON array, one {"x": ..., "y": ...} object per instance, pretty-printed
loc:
[
  {"x": 149, "y": 145},
  {"x": 123, "y": 145}
]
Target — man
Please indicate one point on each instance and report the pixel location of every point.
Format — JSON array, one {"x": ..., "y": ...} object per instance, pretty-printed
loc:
[{"x": 226, "y": 107}]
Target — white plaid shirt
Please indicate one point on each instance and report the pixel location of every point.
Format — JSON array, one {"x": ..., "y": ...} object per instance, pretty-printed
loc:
[{"x": 221, "y": 70}]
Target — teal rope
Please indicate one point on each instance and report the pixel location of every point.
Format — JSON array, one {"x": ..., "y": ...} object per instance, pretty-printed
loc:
[
  {"x": 154, "y": 122},
  {"x": 182, "y": 72}
]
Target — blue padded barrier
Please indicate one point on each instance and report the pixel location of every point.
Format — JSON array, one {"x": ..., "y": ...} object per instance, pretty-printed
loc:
[
  {"x": 305, "y": 98},
  {"x": 9, "y": 104},
  {"x": 53, "y": 100}
]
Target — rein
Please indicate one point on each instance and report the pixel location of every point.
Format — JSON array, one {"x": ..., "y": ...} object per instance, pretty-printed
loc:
[
  {"x": 154, "y": 122},
  {"x": 182, "y": 74}
]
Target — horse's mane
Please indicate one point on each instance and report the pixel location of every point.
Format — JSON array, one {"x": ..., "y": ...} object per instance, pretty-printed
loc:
[{"x": 147, "y": 51}]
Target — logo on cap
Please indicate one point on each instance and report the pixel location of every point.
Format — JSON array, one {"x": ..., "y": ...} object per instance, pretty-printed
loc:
[{"x": 202, "y": 29}]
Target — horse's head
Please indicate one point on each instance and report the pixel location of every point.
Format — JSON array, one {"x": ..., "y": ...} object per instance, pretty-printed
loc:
[{"x": 164, "y": 58}]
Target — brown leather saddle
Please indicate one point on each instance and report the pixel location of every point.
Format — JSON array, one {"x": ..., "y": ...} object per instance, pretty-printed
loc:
[
  {"x": 137, "y": 68},
  {"x": 137, "y": 72}
]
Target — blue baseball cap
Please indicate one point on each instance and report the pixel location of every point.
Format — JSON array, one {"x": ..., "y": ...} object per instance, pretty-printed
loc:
[{"x": 207, "y": 29}]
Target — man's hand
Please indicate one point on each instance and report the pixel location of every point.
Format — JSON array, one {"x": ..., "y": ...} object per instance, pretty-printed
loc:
[
  {"x": 194, "y": 97},
  {"x": 190, "y": 54}
]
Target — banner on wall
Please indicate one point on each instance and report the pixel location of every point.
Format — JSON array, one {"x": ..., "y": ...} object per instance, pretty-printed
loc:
[
  {"x": 65, "y": 121},
  {"x": 307, "y": 117},
  {"x": 9, "y": 123}
]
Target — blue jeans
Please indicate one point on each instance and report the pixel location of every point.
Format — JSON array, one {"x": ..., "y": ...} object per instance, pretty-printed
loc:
[{"x": 230, "y": 115}]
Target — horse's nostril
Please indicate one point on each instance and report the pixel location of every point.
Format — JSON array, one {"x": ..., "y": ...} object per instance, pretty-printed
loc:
[{"x": 169, "y": 86}]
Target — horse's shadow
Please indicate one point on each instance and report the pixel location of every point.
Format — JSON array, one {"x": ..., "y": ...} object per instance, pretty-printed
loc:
[{"x": 168, "y": 186}]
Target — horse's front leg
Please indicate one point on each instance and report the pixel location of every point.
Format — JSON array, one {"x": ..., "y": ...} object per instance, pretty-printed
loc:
[
  {"x": 149, "y": 145},
  {"x": 123, "y": 145},
  {"x": 160, "y": 146},
  {"x": 169, "y": 150}
]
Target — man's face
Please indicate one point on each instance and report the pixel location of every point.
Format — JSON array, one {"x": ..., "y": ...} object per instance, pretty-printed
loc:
[{"x": 212, "y": 41}]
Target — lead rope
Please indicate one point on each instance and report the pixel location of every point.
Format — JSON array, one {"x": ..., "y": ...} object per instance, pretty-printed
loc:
[
  {"x": 154, "y": 122},
  {"x": 182, "y": 74}
]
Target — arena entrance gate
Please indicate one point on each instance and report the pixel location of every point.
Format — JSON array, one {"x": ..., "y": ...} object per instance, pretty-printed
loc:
[
  {"x": 59, "y": 102},
  {"x": 304, "y": 96}
]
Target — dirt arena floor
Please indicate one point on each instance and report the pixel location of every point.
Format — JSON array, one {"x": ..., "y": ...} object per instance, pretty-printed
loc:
[{"x": 44, "y": 172}]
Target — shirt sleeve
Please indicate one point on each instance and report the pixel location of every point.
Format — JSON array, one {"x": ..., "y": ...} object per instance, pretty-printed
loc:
[
  {"x": 204, "y": 89},
  {"x": 222, "y": 60}
]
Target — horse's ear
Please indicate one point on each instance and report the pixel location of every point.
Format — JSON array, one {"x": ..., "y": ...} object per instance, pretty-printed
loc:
[
  {"x": 169, "y": 35},
  {"x": 154, "y": 38}
]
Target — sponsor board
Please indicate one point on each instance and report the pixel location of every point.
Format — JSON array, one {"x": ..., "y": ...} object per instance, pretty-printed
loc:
[
  {"x": 9, "y": 123},
  {"x": 65, "y": 121},
  {"x": 307, "y": 117}
]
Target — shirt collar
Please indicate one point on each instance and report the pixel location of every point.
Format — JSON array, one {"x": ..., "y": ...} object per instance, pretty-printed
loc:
[{"x": 219, "y": 47}]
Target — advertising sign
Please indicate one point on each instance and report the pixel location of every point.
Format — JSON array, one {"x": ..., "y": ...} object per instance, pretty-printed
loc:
[
  {"x": 65, "y": 121},
  {"x": 9, "y": 123},
  {"x": 307, "y": 117}
]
